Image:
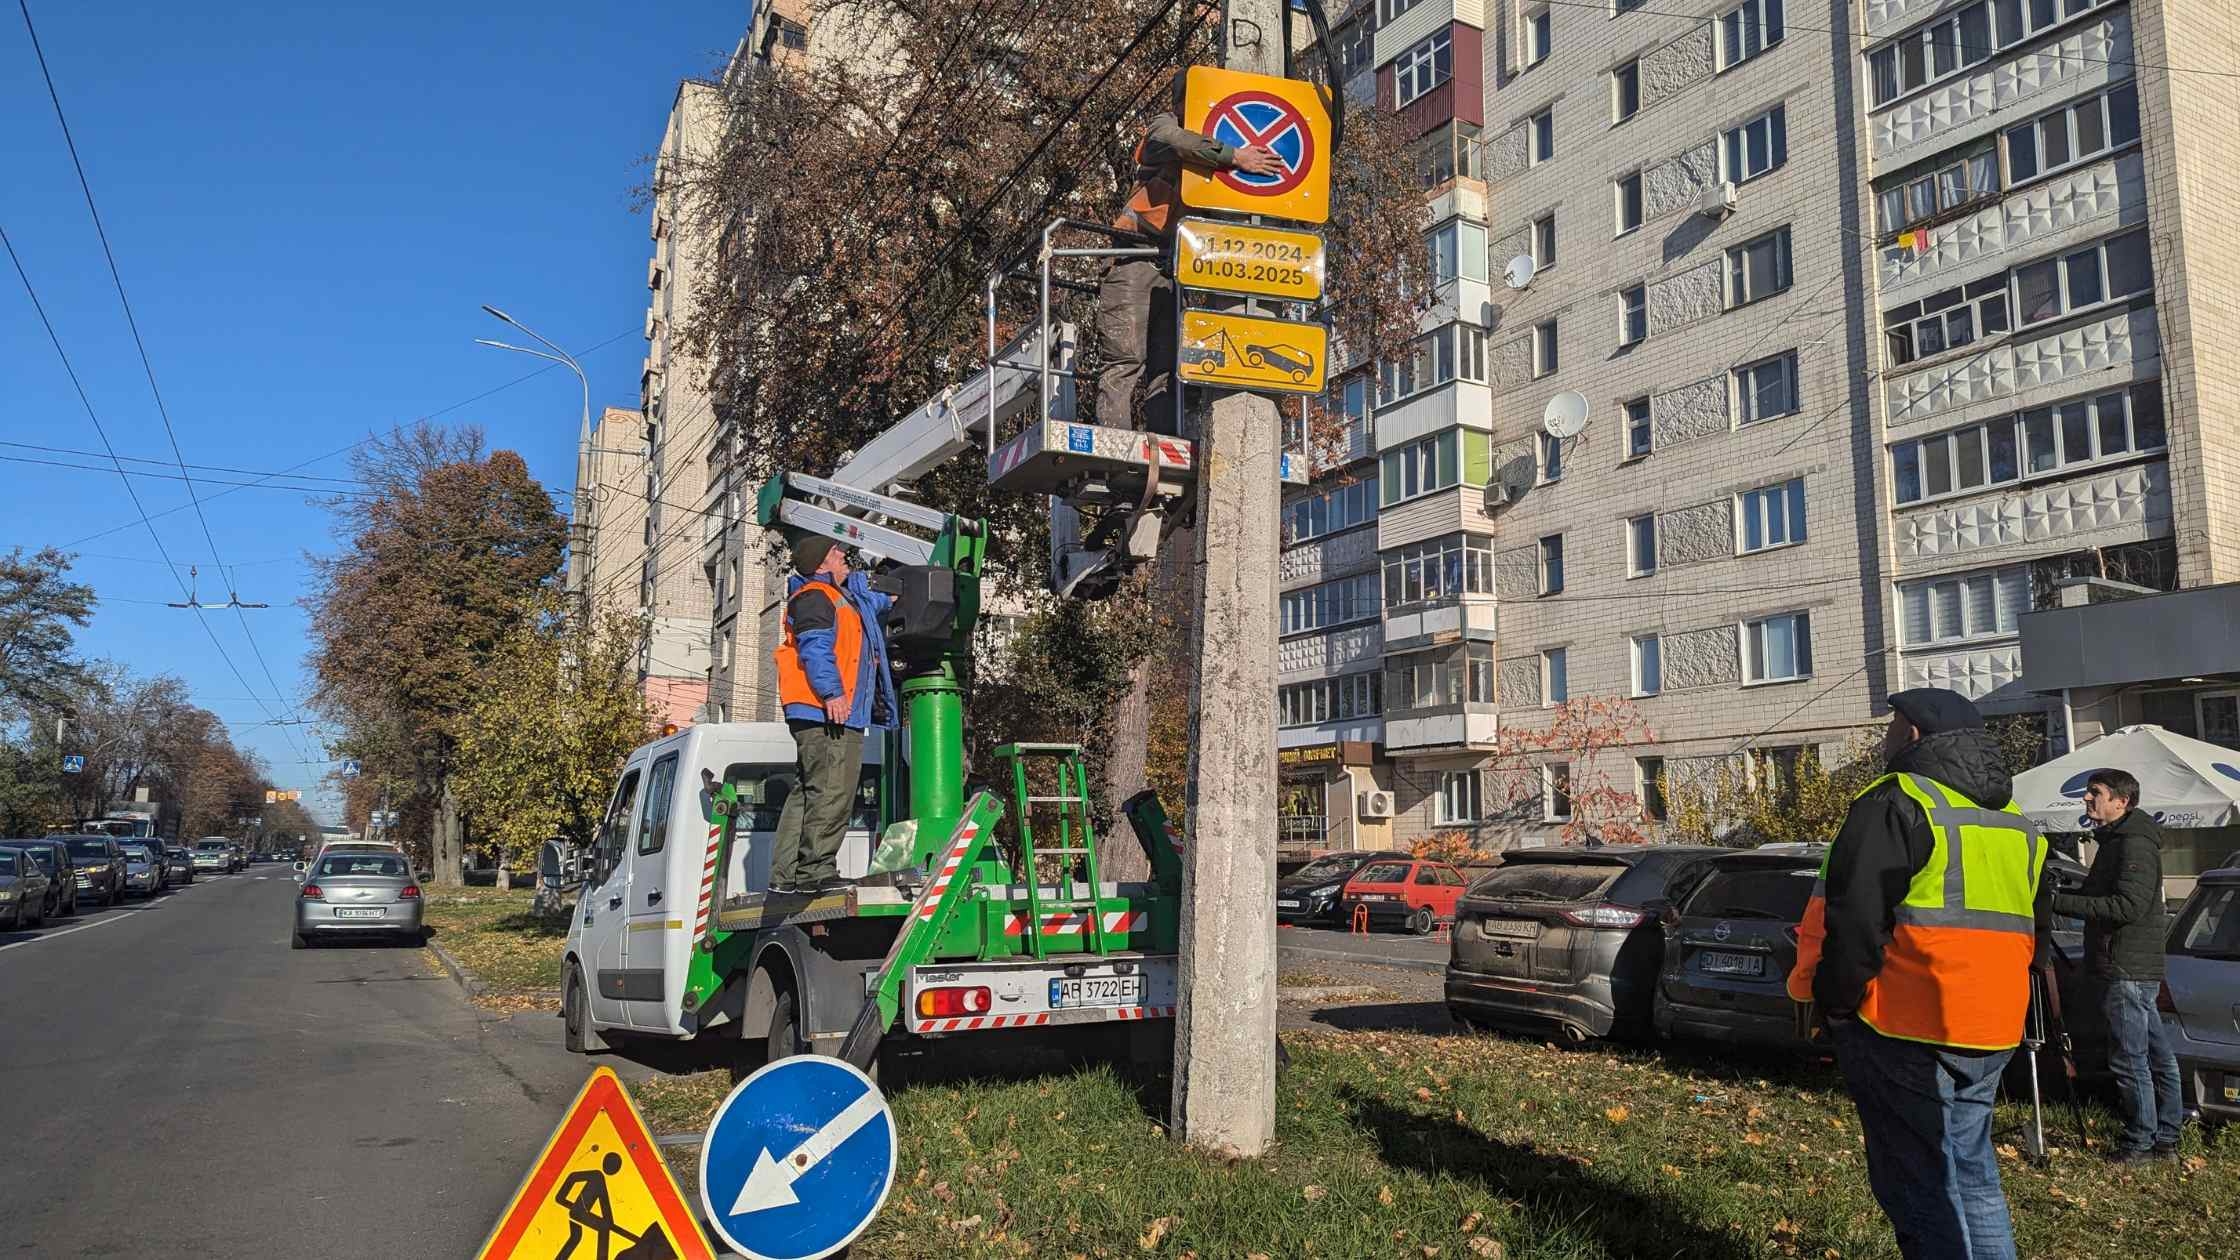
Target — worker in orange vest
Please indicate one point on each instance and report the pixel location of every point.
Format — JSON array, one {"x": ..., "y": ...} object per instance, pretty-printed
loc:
[
  {"x": 835, "y": 684},
  {"x": 1915, "y": 952},
  {"x": 1135, "y": 323}
]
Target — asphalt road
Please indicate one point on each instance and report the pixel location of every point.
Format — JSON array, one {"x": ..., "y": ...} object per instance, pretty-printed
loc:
[
  {"x": 1301, "y": 945},
  {"x": 175, "y": 1081}
]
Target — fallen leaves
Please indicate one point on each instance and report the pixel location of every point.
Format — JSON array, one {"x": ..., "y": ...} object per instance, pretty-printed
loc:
[
  {"x": 1485, "y": 1248},
  {"x": 1617, "y": 1114},
  {"x": 1152, "y": 1234},
  {"x": 1313, "y": 1194},
  {"x": 1384, "y": 1196},
  {"x": 1470, "y": 1223}
]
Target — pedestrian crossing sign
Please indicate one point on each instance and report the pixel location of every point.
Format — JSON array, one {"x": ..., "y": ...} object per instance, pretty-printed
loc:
[{"x": 600, "y": 1191}]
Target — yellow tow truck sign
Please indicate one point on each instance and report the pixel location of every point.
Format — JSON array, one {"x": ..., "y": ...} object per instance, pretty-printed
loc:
[
  {"x": 1244, "y": 258},
  {"x": 1251, "y": 352}
]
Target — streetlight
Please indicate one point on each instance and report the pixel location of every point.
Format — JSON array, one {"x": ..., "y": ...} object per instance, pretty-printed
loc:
[{"x": 583, "y": 440}]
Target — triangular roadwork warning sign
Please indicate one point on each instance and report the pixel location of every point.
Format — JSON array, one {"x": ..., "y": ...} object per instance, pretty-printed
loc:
[{"x": 600, "y": 1191}]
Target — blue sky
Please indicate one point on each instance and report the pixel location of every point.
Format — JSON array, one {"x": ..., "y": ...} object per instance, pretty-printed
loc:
[{"x": 309, "y": 204}]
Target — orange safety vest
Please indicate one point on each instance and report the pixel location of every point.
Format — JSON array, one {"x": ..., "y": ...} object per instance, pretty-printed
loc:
[
  {"x": 1153, "y": 202},
  {"x": 847, "y": 650},
  {"x": 1957, "y": 969}
]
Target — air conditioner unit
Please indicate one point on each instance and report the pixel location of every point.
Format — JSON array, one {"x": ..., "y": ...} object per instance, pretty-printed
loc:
[
  {"x": 1375, "y": 805},
  {"x": 1500, "y": 494},
  {"x": 1718, "y": 200}
]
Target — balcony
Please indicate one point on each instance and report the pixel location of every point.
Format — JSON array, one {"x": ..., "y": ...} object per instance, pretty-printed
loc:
[
  {"x": 1468, "y": 618},
  {"x": 1974, "y": 672},
  {"x": 1460, "y": 509},
  {"x": 1422, "y": 21},
  {"x": 2092, "y": 201},
  {"x": 2101, "y": 354},
  {"x": 2120, "y": 505},
  {"x": 1338, "y": 555},
  {"x": 2094, "y": 54},
  {"x": 1440, "y": 700},
  {"x": 1308, "y": 656}
]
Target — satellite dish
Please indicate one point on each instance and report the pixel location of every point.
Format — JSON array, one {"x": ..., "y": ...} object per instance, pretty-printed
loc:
[
  {"x": 1520, "y": 271},
  {"x": 1566, "y": 415}
]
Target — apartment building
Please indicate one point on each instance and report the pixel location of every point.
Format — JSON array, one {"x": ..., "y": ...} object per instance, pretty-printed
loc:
[
  {"x": 1884, "y": 328},
  {"x": 609, "y": 535}
]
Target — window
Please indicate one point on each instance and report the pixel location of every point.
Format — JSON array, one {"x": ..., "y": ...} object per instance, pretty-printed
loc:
[
  {"x": 1543, "y": 147},
  {"x": 1544, "y": 360},
  {"x": 1747, "y": 31},
  {"x": 1449, "y": 151},
  {"x": 2089, "y": 430},
  {"x": 1458, "y": 249},
  {"x": 1551, "y": 565},
  {"x": 1329, "y": 511},
  {"x": 1777, "y": 649},
  {"x": 1633, "y": 314},
  {"x": 1758, "y": 268},
  {"x": 1357, "y": 47},
  {"x": 1330, "y": 604},
  {"x": 1444, "y": 568},
  {"x": 1962, "y": 38},
  {"x": 1387, "y": 10},
  {"x": 1330, "y": 700},
  {"x": 1544, "y": 242},
  {"x": 2072, "y": 134},
  {"x": 1766, "y": 389},
  {"x": 1944, "y": 321},
  {"x": 1956, "y": 462},
  {"x": 1418, "y": 468},
  {"x": 1625, "y": 91},
  {"x": 1640, "y": 436},
  {"x": 1755, "y": 147},
  {"x": 1555, "y": 677},
  {"x": 1648, "y": 785},
  {"x": 1775, "y": 770},
  {"x": 1937, "y": 190},
  {"x": 1441, "y": 679},
  {"x": 1555, "y": 791},
  {"x": 1964, "y": 606},
  {"x": 2104, "y": 272},
  {"x": 1648, "y": 665},
  {"x": 1539, "y": 37},
  {"x": 1628, "y": 189},
  {"x": 653, "y": 818},
  {"x": 1458, "y": 796},
  {"x": 1641, "y": 545},
  {"x": 1456, "y": 350},
  {"x": 1423, "y": 67},
  {"x": 1771, "y": 516},
  {"x": 1551, "y": 457}
]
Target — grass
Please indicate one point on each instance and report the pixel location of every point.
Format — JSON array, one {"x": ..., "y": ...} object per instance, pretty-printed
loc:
[
  {"x": 492, "y": 934},
  {"x": 1404, "y": 1145}
]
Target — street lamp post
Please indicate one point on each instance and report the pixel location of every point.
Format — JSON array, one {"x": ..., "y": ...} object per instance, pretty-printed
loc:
[{"x": 577, "y": 534}]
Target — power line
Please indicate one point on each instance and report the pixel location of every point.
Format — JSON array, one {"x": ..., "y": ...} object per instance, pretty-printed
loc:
[{"x": 46, "y": 449}]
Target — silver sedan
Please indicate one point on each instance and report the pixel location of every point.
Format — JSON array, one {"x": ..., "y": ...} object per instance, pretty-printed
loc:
[{"x": 358, "y": 894}]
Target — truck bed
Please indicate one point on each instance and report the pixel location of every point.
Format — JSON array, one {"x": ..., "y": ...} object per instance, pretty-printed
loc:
[{"x": 752, "y": 911}]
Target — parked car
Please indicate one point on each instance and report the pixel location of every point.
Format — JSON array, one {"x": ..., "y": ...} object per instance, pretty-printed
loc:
[
  {"x": 24, "y": 890},
  {"x": 2200, "y": 996},
  {"x": 237, "y": 856},
  {"x": 213, "y": 854},
  {"x": 53, "y": 857},
  {"x": 1416, "y": 893},
  {"x": 1310, "y": 894},
  {"x": 361, "y": 893},
  {"x": 143, "y": 868},
  {"x": 1564, "y": 937},
  {"x": 178, "y": 865},
  {"x": 98, "y": 867},
  {"x": 1729, "y": 946}
]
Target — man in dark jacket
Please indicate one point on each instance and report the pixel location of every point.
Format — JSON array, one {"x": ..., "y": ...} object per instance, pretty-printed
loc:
[
  {"x": 1919, "y": 963},
  {"x": 2124, "y": 926}
]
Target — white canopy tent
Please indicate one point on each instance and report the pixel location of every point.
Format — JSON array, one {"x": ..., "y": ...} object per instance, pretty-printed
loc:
[{"x": 2183, "y": 782}]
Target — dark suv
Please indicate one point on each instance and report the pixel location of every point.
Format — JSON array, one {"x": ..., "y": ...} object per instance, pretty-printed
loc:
[
  {"x": 1564, "y": 937},
  {"x": 1729, "y": 945},
  {"x": 100, "y": 867}
]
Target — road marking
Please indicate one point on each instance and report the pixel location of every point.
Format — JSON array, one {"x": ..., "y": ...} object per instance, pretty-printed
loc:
[{"x": 48, "y": 936}]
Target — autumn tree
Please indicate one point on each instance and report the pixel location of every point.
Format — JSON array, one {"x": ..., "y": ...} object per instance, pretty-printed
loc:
[
  {"x": 559, "y": 710},
  {"x": 40, "y": 608},
  {"x": 442, "y": 557},
  {"x": 1756, "y": 797}
]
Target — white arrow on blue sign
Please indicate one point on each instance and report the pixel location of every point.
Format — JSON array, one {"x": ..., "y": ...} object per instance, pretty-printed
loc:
[
  {"x": 798, "y": 1159},
  {"x": 350, "y": 768}
]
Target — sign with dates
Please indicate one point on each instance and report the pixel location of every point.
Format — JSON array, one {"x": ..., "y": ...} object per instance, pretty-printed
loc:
[
  {"x": 1239, "y": 351},
  {"x": 1248, "y": 259}
]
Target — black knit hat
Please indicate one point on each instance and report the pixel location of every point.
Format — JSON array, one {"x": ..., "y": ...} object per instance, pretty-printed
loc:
[
  {"x": 1935, "y": 709},
  {"x": 809, "y": 552}
]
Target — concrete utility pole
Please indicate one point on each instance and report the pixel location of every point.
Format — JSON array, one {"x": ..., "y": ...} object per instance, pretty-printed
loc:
[{"x": 1225, "y": 1028}]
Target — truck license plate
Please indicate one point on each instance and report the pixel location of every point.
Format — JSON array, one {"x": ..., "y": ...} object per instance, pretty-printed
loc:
[
  {"x": 1096, "y": 991},
  {"x": 2232, "y": 1087},
  {"x": 1724, "y": 964},
  {"x": 354, "y": 912}
]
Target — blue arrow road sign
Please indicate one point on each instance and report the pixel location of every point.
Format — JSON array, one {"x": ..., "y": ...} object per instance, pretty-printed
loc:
[
  {"x": 798, "y": 1159},
  {"x": 74, "y": 764},
  {"x": 350, "y": 768}
]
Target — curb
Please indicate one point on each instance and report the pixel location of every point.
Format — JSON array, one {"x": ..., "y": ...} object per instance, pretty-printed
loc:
[{"x": 466, "y": 980}]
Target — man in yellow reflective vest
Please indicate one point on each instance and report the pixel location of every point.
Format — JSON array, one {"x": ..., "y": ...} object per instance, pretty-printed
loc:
[{"x": 1915, "y": 951}]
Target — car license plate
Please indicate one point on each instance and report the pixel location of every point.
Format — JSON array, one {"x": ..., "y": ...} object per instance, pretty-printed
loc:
[
  {"x": 359, "y": 912},
  {"x": 1096, "y": 991},
  {"x": 1287, "y": 905},
  {"x": 1724, "y": 964},
  {"x": 2232, "y": 1087},
  {"x": 1376, "y": 897},
  {"x": 1522, "y": 929}
]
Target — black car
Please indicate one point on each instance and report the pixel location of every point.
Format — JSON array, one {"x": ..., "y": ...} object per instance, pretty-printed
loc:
[
  {"x": 1567, "y": 938},
  {"x": 178, "y": 865},
  {"x": 53, "y": 857},
  {"x": 1729, "y": 945},
  {"x": 100, "y": 867},
  {"x": 1310, "y": 894}
]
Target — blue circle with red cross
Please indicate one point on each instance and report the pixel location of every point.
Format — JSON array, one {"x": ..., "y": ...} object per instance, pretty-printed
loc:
[{"x": 1263, "y": 118}]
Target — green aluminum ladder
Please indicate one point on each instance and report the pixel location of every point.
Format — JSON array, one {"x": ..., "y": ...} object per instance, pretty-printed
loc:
[{"x": 1076, "y": 839}]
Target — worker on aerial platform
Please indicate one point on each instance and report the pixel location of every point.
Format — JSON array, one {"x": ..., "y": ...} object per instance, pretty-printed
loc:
[{"x": 1135, "y": 324}]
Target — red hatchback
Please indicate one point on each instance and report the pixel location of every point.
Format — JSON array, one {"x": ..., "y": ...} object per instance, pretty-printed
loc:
[{"x": 1416, "y": 893}]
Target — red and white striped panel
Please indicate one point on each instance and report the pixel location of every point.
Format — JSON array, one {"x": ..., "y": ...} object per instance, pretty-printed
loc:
[
  {"x": 1006, "y": 459},
  {"x": 930, "y": 899},
  {"x": 1140, "y": 1012},
  {"x": 707, "y": 883},
  {"x": 1170, "y": 452},
  {"x": 973, "y": 1023},
  {"x": 1070, "y": 924}
]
